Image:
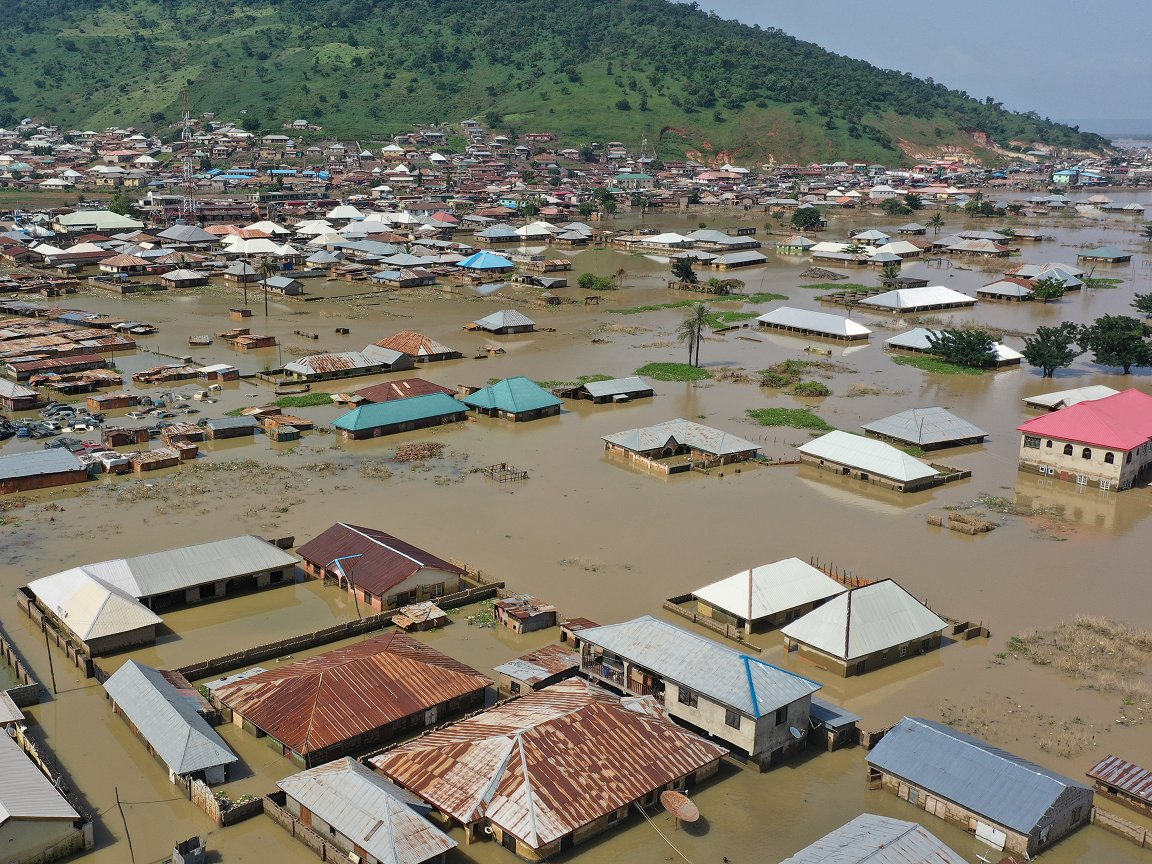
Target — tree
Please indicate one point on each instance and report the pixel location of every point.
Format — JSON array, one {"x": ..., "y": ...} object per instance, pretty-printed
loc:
[
  {"x": 1047, "y": 289},
  {"x": 586, "y": 208},
  {"x": 890, "y": 271},
  {"x": 1052, "y": 348},
  {"x": 1143, "y": 303},
  {"x": 936, "y": 223},
  {"x": 973, "y": 348},
  {"x": 1117, "y": 340},
  {"x": 691, "y": 330},
  {"x": 913, "y": 201},
  {"x": 682, "y": 270},
  {"x": 894, "y": 207},
  {"x": 123, "y": 204},
  {"x": 1148, "y": 230},
  {"x": 807, "y": 219}
]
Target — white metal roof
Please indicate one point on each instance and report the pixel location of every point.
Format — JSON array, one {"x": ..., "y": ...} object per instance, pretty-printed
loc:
[
  {"x": 25, "y": 793},
  {"x": 9, "y": 712},
  {"x": 871, "y": 839},
  {"x": 1064, "y": 398},
  {"x": 89, "y": 606},
  {"x": 617, "y": 386},
  {"x": 865, "y": 620},
  {"x": 775, "y": 588},
  {"x": 917, "y": 298},
  {"x": 504, "y": 318},
  {"x": 916, "y": 339},
  {"x": 869, "y": 455},
  {"x": 370, "y": 811},
  {"x": 1005, "y": 288},
  {"x": 925, "y": 426},
  {"x": 703, "y": 438},
  {"x": 817, "y": 322}
]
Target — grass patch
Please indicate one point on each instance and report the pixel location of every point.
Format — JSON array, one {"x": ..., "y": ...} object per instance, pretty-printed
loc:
[
  {"x": 673, "y": 372},
  {"x": 720, "y": 319},
  {"x": 838, "y": 286},
  {"x": 307, "y": 400},
  {"x": 763, "y": 297},
  {"x": 655, "y": 307},
  {"x": 235, "y": 412},
  {"x": 937, "y": 366},
  {"x": 579, "y": 382},
  {"x": 810, "y": 388},
  {"x": 796, "y": 418},
  {"x": 1101, "y": 282},
  {"x": 914, "y": 451}
]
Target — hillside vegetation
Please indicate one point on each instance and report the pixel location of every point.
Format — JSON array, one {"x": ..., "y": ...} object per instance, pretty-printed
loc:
[{"x": 587, "y": 70}]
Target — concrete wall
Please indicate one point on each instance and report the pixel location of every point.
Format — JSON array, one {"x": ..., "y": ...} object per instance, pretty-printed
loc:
[
  {"x": 1120, "y": 474},
  {"x": 871, "y": 661},
  {"x": 27, "y": 841}
]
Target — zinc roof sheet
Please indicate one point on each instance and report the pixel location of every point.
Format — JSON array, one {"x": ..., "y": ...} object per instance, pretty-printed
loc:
[
  {"x": 549, "y": 762},
  {"x": 415, "y": 344},
  {"x": 504, "y": 318},
  {"x": 370, "y": 811},
  {"x": 716, "y": 671},
  {"x": 1123, "y": 421},
  {"x": 865, "y": 620},
  {"x": 870, "y": 839},
  {"x": 312, "y": 704},
  {"x": 1004, "y": 788},
  {"x": 515, "y": 395},
  {"x": 817, "y": 322},
  {"x": 703, "y": 438},
  {"x": 867, "y": 454},
  {"x": 56, "y": 460},
  {"x": 1065, "y": 398},
  {"x": 617, "y": 386},
  {"x": 909, "y": 299},
  {"x": 406, "y": 410},
  {"x": 916, "y": 339},
  {"x": 540, "y": 664},
  {"x": 776, "y": 587},
  {"x": 925, "y": 426},
  {"x": 25, "y": 793},
  {"x": 406, "y": 388},
  {"x": 1124, "y": 776},
  {"x": 167, "y": 720},
  {"x": 91, "y": 607}
]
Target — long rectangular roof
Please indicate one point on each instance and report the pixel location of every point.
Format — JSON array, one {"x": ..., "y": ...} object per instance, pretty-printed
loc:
[
  {"x": 909, "y": 299},
  {"x": 616, "y": 386},
  {"x": 549, "y": 762},
  {"x": 775, "y": 588},
  {"x": 396, "y": 411},
  {"x": 406, "y": 388},
  {"x": 1123, "y": 775},
  {"x": 817, "y": 322},
  {"x": 925, "y": 426},
  {"x": 984, "y": 779},
  {"x": 1123, "y": 421},
  {"x": 25, "y": 793},
  {"x": 1064, "y": 398},
  {"x": 869, "y": 455},
  {"x": 916, "y": 339},
  {"x": 56, "y": 460},
  {"x": 865, "y": 620},
  {"x": 723, "y": 674},
  {"x": 696, "y": 435},
  {"x": 89, "y": 606},
  {"x": 373, "y": 813},
  {"x": 167, "y": 720},
  {"x": 871, "y": 839}
]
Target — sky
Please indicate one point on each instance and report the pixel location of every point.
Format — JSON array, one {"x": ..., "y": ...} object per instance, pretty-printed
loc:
[{"x": 1081, "y": 63}]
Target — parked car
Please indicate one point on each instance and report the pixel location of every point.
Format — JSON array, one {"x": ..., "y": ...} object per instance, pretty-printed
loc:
[
  {"x": 137, "y": 415},
  {"x": 163, "y": 415},
  {"x": 83, "y": 426},
  {"x": 191, "y": 410}
]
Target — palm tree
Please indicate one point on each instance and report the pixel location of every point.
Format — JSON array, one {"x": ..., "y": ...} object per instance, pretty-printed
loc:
[
  {"x": 691, "y": 330},
  {"x": 266, "y": 269},
  {"x": 936, "y": 223}
]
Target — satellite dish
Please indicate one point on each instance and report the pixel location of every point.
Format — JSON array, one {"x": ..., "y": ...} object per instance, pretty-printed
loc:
[
  {"x": 796, "y": 733},
  {"x": 679, "y": 805}
]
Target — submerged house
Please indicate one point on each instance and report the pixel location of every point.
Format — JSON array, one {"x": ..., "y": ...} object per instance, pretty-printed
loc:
[
  {"x": 807, "y": 323},
  {"x": 1008, "y": 802},
  {"x": 873, "y": 462},
  {"x": 677, "y": 445},
  {"x": 871, "y": 839},
  {"x": 503, "y": 323},
  {"x": 748, "y": 704},
  {"x": 768, "y": 595},
  {"x": 497, "y": 772},
  {"x": 918, "y": 341},
  {"x": 612, "y": 390},
  {"x": 400, "y": 683},
  {"x": 909, "y": 300},
  {"x": 865, "y": 628},
  {"x": 927, "y": 428},
  {"x": 400, "y": 415},
  {"x": 383, "y": 571},
  {"x": 517, "y": 398},
  {"x": 421, "y": 348},
  {"x": 536, "y": 670},
  {"x": 373, "y": 360},
  {"x": 97, "y": 615}
]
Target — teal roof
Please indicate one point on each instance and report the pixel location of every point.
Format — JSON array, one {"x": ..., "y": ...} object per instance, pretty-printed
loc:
[
  {"x": 514, "y": 395},
  {"x": 398, "y": 411},
  {"x": 485, "y": 260},
  {"x": 1105, "y": 252}
]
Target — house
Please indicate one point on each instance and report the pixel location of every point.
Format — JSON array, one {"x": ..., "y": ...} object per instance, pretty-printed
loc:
[
  {"x": 284, "y": 285},
  {"x": 517, "y": 398},
  {"x": 871, "y": 839},
  {"x": 40, "y": 469},
  {"x": 36, "y": 821},
  {"x": 1010, "y": 288},
  {"x": 1104, "y": 255},
  {"x": 822, "y": 325},
  {"x": 523, "y": 613},
  {"x": 744, "y": 702},
  {"x": 1063, "y": 398},
  {"x": 536, "y": 670},
  {"x": 383, "y": 571},
  {"x": 1106, "y": 442},
  {"x": 16, "y": 397},
  {"x": 421, "y": 348},
  {"x": 918, "y": 341},
  {"x": 188, "y": 574},
  {"x": 168, "y": 722},
  {"x": 363, "y": 815},
  {"x": 487, "y": 262},
  {"x": 220, "y": 428},
  {"x": 795, "y": 245},
  {"x": 96, "y": 614},
  {"x": 865, "y": 628},
  {"x": 676, "y": 445},
  {"x": 872, "y": 461},
  {"x": 732, "y": 260},
  {"x": 497, "y": 772},
  {"x": 373, "y": 360},
  {"x": 117, "y": 436},
  {"x": 768, "y": 595},
  {"x": 926, "y": 428},
  {"x": 419, "y": 617},
  {"x": 111, "y": 401},
  {"x": 406, "y": 388},
  {"x": 1123, "y": 782},
  {"x": 910, "y": 300},
  {"x": 912, "y": 229},
  {"x": 400, "y": 415},
  {"x": 1006, "y": 801},
  {"x": 349, "y": 699},
  {"x": 612, "y": 390},
  {"x": 503, "y": 323}
]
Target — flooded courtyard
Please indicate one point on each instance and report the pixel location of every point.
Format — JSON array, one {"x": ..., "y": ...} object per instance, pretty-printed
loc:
[{"x": 607, "y": 542}]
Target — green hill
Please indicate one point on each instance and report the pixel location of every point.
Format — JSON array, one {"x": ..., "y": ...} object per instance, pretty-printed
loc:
[{"x": 584, "y": 69}]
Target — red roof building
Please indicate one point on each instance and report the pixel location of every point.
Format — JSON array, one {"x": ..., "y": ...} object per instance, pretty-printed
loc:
[
  {"x": 405, "y": 388},
  {"x": 1102, "y": 442}
]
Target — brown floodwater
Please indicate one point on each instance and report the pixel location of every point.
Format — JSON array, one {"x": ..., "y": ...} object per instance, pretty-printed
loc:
[{"x": 607, "y": 542}]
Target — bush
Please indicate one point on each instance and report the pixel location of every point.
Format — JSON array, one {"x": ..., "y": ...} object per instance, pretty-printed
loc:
[
  {"x": 811, "y": 388},
  {"x": 673, "y": 372}
]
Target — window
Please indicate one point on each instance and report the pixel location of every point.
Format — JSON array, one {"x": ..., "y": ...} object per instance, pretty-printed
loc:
[
  {"x": 367, "y": 597},
  {"x": 1067, "y": 449},
  {"x": 1031, "y": 442},
  {"x": 1086, "y": 453},
  {"x": 514, "y": 688},
  {"x": 687, "y": 697},
  {"x": 782, "y": 715},
  {"x": 1109, "y": 458},
  {"x": 925, "y": 645},
  {"x": 732, "y": 718},
  {"x": 903, "y": 650},
  {"x": 1048, "y": 443}
]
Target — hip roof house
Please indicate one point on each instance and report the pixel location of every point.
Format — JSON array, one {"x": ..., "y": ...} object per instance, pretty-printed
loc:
[
  {"x": 517, "y": 398},
  {"x": 870, "y": 839},
  {"x": 927, "y": 428},
  {"x": 771, "y": 594},
  {"x": 805, "y": 322},
  {"x": 872, "y": 461},
  {"x": 36, "y": 821}
]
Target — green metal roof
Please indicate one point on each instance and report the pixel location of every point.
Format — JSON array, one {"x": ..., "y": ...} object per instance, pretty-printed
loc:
[
  {"x": 514, "y": 395},
  {"x": 398, "y": 411}
]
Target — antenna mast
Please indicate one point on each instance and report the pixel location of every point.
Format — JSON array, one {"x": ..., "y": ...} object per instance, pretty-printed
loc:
[{"x": 188, "y": 204}]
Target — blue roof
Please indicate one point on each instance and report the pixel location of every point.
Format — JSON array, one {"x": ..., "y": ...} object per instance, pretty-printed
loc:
[
  {"x": 485, "y": 260},
  {"x": 986, "y": 780},
  {"x": 514, "y": 395},
  {"x": 399, "y": 411}
]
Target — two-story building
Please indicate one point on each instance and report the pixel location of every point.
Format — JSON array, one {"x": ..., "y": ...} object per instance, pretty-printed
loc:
[{"x": 704, "y": 685}]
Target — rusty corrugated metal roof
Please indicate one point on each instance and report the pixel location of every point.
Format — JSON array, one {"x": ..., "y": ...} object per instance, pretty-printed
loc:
[
  {"x": 545, "y": 764},
  {"x": 1124, "y": 776},
  {"x": 415, "y": 344},
  {"x": 324, "y": 700},
  {"x": 390, "y": 391}
]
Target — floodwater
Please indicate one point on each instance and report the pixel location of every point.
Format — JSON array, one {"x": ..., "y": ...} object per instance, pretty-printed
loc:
[{"x": 607, "y": 542}]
